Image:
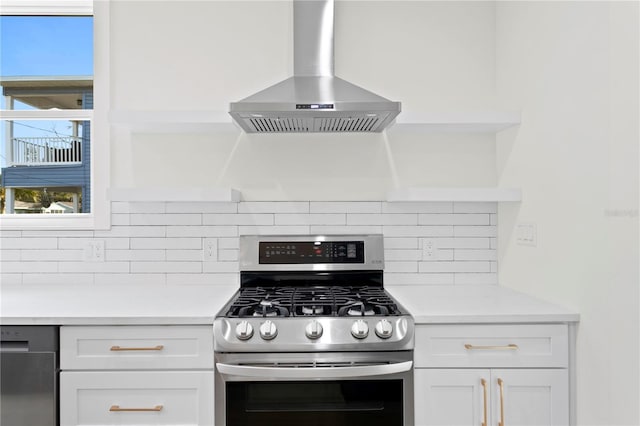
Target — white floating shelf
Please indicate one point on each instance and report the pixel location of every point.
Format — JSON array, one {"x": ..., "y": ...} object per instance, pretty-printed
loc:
[
  {"x": 174, "y": 194},
  {"x": 455, "y": 194},
  {"x": 198, "y": 121},
  {"x": 475, "y": 122}
]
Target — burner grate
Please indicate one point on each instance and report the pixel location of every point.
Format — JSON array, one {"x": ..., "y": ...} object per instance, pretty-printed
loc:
[{"x": 312, "y": 301}]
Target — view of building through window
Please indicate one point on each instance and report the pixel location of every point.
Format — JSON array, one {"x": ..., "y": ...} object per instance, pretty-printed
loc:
[{"x": 46, "y": 64}]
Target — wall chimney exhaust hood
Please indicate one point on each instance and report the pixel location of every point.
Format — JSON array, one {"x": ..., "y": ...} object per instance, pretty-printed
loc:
[{"x": 314, "y": 99}]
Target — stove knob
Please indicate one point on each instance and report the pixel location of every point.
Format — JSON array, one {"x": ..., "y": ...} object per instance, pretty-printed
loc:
[
  {"x": 244, "y": 330},
  {"x": 268, "y": 330},
  {"x": 313, "y": 330},
  {"x": 384, "y": 329},
  {"x": 360, "y": 329}
]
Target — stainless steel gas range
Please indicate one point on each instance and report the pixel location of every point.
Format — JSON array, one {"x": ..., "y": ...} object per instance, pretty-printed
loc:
[{"x": 312, "y": 337}]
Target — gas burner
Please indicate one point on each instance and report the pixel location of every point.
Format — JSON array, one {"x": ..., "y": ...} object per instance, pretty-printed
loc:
[
  {"x": 312, "y": 310},
  {"x": 357, "y": 309}
]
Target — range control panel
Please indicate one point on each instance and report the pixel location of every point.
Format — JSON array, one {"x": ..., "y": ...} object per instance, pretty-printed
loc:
[{"x": 311, "y": 252}]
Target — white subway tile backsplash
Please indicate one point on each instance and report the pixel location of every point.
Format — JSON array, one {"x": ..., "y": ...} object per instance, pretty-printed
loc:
[
  {"x": 166, "y": 243},
  {"x": 463, "y": 254},
  {"x": 346, "y": 207},
  {"x": 396, "y": 255},
  {"x": 81, "y": 243},
  {"x": 469, "y": 243},
  {"x": 48, "y": 233},
  {"x": 238, "y": 219},
  {"x": 310, "y": 219},
  {"x": 480, "y": 278},
  {"x": 219, "y": 279},
  {"x": 165, "y": 267},
  {"x": 228, "y": 255},
  {"x": 132, "y": 231},
  {"x": 228, "y": 243},
  {"x": 151, "y": 255},
  {"x": 273, "y": 230},
  {"x": 51, "y": 255},
  {"x": 22, "y": 267},
  {"x": 393, "y": 278},
  {"x": 418, "y": 207},
  {"x": 191, "y": 219},
  {"x": 401, "y": 243},
  {"x": 202, "y": 231},
  {"x": 61, "y": 278},
  {"x": 220, "y": 267},
  {"x": 4, "y": 233},
  {"x": 382, "y": 219},
  {"x": 452, "y": 266},
  {"x": 475, "y": 231},
  {"x": 336, "y": 229},
  {"x": 274, "y": 207},
  {"x": 20, "y": 243},
  {"x": 130, "y": 279},
  {"x": 400, "y": 266},
  {"x": 10, "y": 255},
  {"x": 184, "y": 255},
  {"x": 118, "y": 219},
  {"x": 162, "y": 242},
  {"x": 202, "y": 207},
  {"x": 418, "y": 231},
  {"x": 157, "y": 207},
  {"x": 453, "y": 219},
  {"x": 13, "y": 278},
  {"x": 93, "y": 267}
]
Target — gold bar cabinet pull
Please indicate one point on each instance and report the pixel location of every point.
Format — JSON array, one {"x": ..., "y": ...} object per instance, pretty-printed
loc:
[
  {"x": 121, "y": 349},
  {"x": 483, "y": 382},
  {"x": 501, "y": 384},
  {"x": 509, "y": 347},
  {"x": 118, "y": 408}
]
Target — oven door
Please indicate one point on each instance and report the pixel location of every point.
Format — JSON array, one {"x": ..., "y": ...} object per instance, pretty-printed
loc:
[{"x": 337, "y": 389}]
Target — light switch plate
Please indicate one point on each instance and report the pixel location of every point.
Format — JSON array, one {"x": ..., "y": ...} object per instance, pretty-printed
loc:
[{"x": 527, "y": 234}]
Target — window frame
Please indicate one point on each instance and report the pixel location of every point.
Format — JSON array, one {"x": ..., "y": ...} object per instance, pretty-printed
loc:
[{"x": 100, "y": 215}]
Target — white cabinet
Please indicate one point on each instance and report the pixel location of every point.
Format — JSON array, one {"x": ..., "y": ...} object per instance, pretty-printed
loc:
[
  {"x": 492, "y": 375},
  {"x": 136, "y": 375}
]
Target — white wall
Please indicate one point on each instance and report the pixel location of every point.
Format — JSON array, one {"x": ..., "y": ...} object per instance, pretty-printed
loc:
[
  {"x": 432, "y": 56},
  {"x": 573, "y": 69}
]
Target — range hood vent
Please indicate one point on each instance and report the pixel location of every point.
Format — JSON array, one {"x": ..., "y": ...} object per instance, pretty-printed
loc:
[{"x": 314, "y": 99}]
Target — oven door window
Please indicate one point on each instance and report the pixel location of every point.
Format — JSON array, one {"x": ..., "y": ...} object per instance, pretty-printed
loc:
[{"x": 309, "y": 403}]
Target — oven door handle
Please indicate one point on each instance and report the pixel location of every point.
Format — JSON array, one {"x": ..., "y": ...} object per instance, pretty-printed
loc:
[{"x": 313, "y": 372}]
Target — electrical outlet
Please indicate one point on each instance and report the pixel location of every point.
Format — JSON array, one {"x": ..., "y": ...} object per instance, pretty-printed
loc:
[
  {"x": 94, "y": 251},
  {"x": 429, "y": 249},
  {"x": 210, "y": 250},
  {"x": 527, "y": 234}
]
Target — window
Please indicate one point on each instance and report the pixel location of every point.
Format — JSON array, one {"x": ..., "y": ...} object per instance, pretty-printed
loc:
[{"x": 48, "y": 71}]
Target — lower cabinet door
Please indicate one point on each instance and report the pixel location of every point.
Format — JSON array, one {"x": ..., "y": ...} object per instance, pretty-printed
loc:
[
  {"x": 490, "y": 397},
  {"x": 534, "y": 397},
  {"x": 136, "y": 398},
  {"x": 448, "y": 397}
]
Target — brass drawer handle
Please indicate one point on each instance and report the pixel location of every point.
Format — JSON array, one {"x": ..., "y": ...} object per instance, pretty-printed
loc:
[
  {"x": 118, "y": 408},
  {"x": 501, "y": 385},
  {"x": 483, "y": 382},
  {"x": 509, "y": 347},
  {"x": 120, "y": 349}
]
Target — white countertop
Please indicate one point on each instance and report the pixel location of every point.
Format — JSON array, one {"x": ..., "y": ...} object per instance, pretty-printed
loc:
[
  {"x": 113, "y": 304},
  {"x": 477, "y": 304},
  {"x": 116, "y": 304}
]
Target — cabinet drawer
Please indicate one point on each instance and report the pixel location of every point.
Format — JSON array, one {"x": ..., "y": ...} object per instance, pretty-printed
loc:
[
  {"x": 135, "y": 347},
  {"x": 140, "y": 398},
  {"x": 495, "y": 345}
]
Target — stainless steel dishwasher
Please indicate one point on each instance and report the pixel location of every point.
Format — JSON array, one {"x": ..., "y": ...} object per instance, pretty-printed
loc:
[{"x": 29, "y": 368}]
